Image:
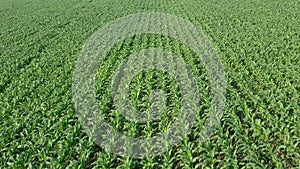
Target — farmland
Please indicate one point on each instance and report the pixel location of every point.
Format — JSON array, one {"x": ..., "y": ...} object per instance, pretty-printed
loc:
[{"x": 257, "y": 41}]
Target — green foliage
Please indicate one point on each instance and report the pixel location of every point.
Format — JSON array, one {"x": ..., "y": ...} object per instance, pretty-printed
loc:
[{"x": 258, "y": 42}]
